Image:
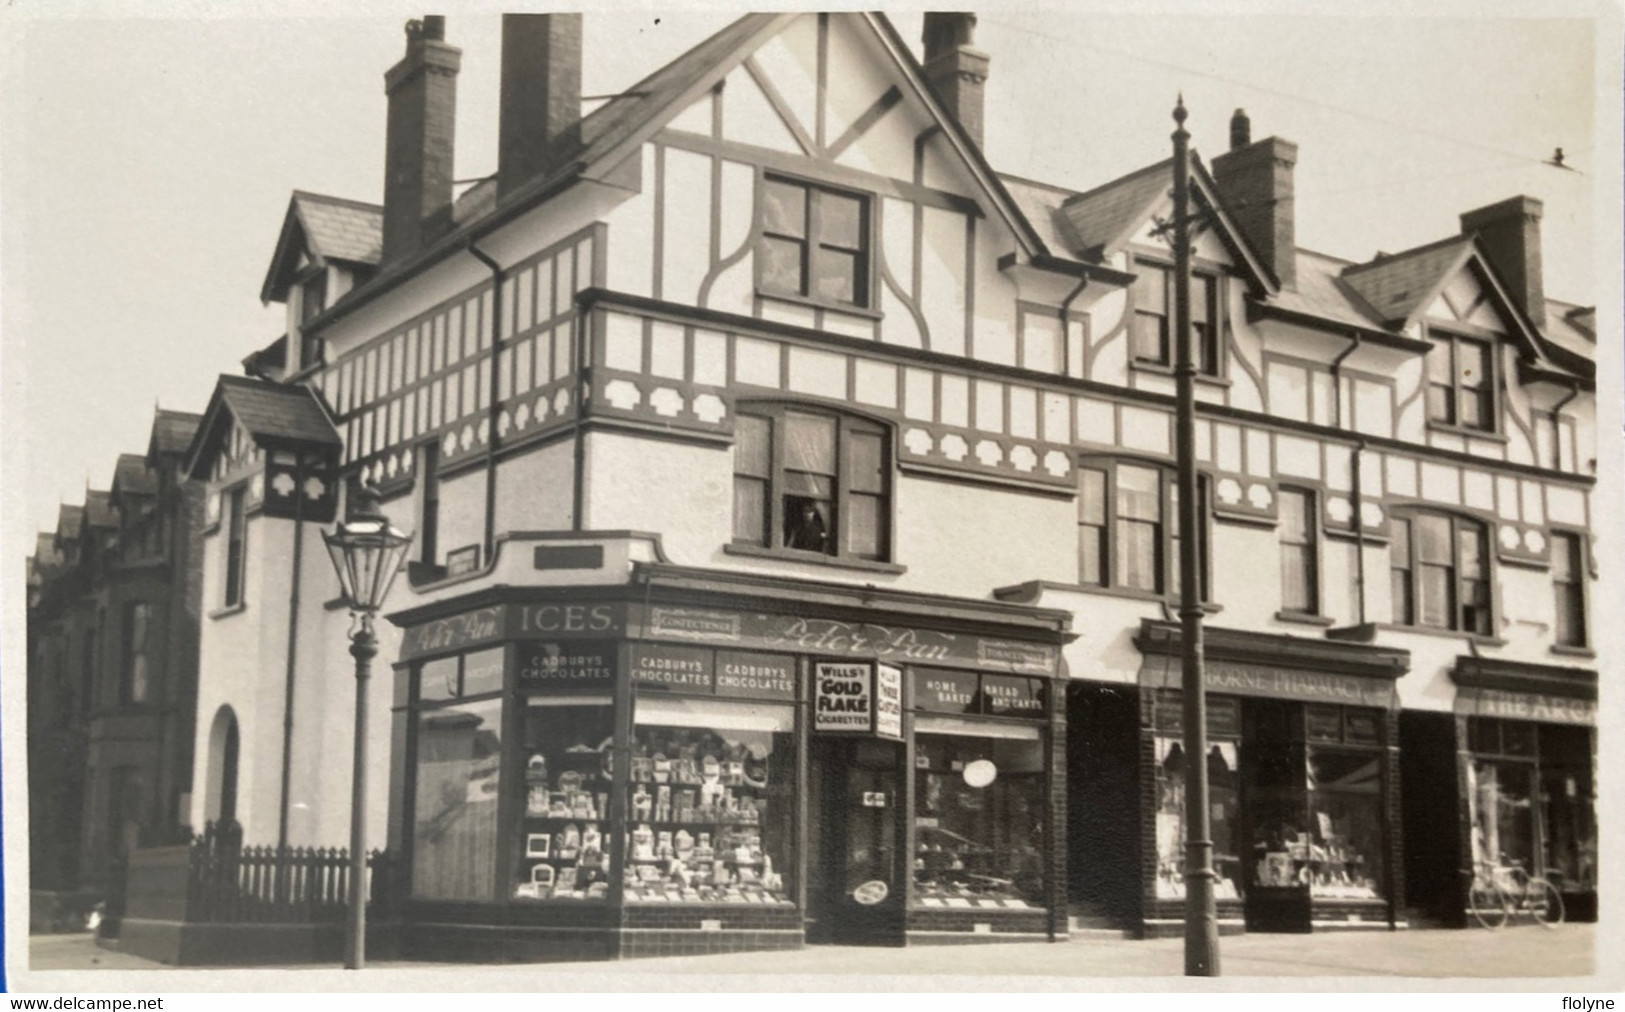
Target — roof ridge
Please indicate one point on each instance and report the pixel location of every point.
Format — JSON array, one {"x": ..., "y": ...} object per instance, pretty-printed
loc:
[
  {"x": 327, "y": 198},
  {"x": 1137, "y": 173},
  {"x": 1389, "y": 258}
]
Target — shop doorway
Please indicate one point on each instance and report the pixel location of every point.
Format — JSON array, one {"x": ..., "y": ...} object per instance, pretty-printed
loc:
[
  {"x": 855, "y": 884},
  {"x": 1276, "y": 806}
]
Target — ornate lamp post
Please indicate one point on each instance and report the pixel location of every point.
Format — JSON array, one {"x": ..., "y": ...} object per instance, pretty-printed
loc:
[{"x": 367, "y": 552}]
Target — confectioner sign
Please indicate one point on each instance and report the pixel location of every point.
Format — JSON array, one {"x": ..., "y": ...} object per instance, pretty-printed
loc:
[
  {"x": 966, "y": 692},
  {"x": 798, "y": 634}
]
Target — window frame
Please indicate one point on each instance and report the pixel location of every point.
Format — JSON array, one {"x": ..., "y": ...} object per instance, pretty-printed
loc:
[
  {"x": 1446, "y": 338},
  {"x": 813, "y": 240},
  {"x": 1402, "y": 533},
  {"x": 1208, "y": 347},
  {"x": 1167, "y": 567},
  {"x": 235, "y": 564},
  {"x": 776, "y": 486},
  {"x": 1579, "y": 572},
  {"x": 133, "y": 650},
  {"x": 1311, "y": 544}
]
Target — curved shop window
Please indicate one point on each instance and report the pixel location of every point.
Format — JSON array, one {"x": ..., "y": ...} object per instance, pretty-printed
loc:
[
  {"x": 710, "y": 806},
  {"x": 978, "y": 813},
  {"x": 457, "y": 776}
]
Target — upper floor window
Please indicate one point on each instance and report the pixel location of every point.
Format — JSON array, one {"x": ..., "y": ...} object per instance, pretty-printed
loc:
[
  {"x": 236, "y": 538},
  {"x": 1128, "y": 529},
  {"x": 137, "y": 633},
  {"x": 1440, "y": 573},
  {"x": 313, "y": 296},
  {"x": 812, "y": 482},
  {"x": 1154, "y": 318},
  {"x": 429, "y": 523},
  {"x": 1568, "y": 581},
  {"x": 1300, "y": 558},
  {"x": 815, "y": 243},
  {"x": 1461, "y": 382}
]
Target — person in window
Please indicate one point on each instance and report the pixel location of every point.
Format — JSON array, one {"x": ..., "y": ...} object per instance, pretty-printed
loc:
[{"x": 805, "y": 527}]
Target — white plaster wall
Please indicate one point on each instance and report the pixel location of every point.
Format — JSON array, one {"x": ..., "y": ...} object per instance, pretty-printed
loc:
[
  {"x": 462, "y": 512},
  {"x": 535, "y": 491},
  {"x": 630, "y": 254},
  {"x": 682, "y": 492},
  {"x": 968, "y": 539}
]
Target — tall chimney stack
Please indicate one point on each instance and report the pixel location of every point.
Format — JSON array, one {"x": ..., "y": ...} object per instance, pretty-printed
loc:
[
  {"x": 539, "y": 125},
  {"x": 956, "y": 69},
  {"x": 1255, "y": 179},
  {"x": 1509, "y": 234},
  {"x": 419, "y": 139}
]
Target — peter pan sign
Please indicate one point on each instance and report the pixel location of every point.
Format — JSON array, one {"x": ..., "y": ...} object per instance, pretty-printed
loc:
[{"x": 893, "y": 643}]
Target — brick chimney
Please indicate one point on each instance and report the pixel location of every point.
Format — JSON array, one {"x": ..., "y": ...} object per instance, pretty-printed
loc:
[
  {"x": 1509, "y": 234},
  {"x": 955, "y": 69},
  {"x": 1255, "y": 179},
  {"x": 540, "y": 118},
  {"x": 422, "y": 91}
]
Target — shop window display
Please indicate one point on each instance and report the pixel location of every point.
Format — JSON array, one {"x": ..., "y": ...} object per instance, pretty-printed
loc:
[
  {"x": 564, "y": 852},
  {"x": 458, "y": 776},
  {"x": 1222, "y": 796},
  {"x": 1345, "y": 810},
  {"x": 978, "y": 820},
  {"x": 712, "y": 787}
]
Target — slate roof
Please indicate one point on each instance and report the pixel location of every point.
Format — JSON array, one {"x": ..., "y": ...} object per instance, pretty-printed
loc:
[
  {"x": 132, "y": 477},
  {"x": 1396, "y": 286},
  {"x": 69, "y": 521},
  {"x": 277, "y": 413},
  {"x": 1103, "y": 216},
  {"x": 99, "y": 510},
  {"x": 1322, "y": 293},
  {"x": 172, "y": 431},
  {"x": 1041, "y": 203},
  {"x": 339, "y": 229},
  {"x": 1572, "y": 328}
]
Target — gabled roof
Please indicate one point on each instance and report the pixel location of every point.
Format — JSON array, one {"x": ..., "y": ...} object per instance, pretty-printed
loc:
[
  {"x": 328, "y": 229},
  {"x": 131, "y": 476},
  {"x": 70, "y": 520},
  {"x": 272, "y": 414},
  {"x": 1399, "y": 286},
  {"x": 1040, "y": 204},
  {"x": 615, "y": 129},
  {"x": 99, "y": 510},
  {"x": 172, "y": 432}
]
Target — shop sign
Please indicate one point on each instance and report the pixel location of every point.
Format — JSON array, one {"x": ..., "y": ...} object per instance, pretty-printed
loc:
[
  {"x": 756, "y": 676},
  {"x": 488, "y": 625},
  {"x": 567, "y": 665},
  {"x": 946, "y": 691},
  {"x": 1007, "y": 696},
  {"x": 482, "y": 625},
  {"x": 1530, "y": 706},
  {"x": 1277, "y": 683},
  {"x": 685, "y": 669},
  {"x": 889, "y": 702},
  {"x": 852, "y": 639},
  {"x": 842, "y": 697}
]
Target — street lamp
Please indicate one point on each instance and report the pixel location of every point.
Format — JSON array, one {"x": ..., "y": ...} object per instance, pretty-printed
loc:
[{"x": 367, "y": 552}]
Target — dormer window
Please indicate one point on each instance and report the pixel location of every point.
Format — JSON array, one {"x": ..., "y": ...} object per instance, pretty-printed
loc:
[
  {"x": 1154, "y": 318},
  {"x": 313, "y": 295},
  {"x": 814, "y": 243},
  {"x": 1461, "y": 382}
]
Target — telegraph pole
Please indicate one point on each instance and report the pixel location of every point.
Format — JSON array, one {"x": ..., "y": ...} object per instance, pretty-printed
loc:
[{"x": 1201, "y": 920}]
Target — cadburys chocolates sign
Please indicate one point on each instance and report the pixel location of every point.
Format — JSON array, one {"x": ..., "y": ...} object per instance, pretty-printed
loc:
[{"x": 854, "y": 639}]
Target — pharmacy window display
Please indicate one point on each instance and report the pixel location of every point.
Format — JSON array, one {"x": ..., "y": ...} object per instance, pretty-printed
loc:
[
  {"x": 1223, "y": 727},
  {"x": 710, "y": 803},
  {"x": 978, "y": 819}
]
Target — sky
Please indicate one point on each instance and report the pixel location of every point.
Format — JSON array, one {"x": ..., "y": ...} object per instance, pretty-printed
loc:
[{"x": 148, "y": 150}]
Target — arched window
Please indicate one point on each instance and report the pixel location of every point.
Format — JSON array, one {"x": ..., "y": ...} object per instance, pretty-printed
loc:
[
  {"x": 812, "y": 481},
  {"x": 224, "y": 743}
]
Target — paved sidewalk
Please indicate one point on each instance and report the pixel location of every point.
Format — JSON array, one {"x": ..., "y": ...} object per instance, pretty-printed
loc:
[{"x": 1519, "y": 952}]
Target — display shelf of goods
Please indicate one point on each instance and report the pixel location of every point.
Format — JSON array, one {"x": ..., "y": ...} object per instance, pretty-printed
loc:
[
  {"x": 951, "y": 870},
  {"x": 564, "y": 854},
  {"x": 696, "y": 833}
]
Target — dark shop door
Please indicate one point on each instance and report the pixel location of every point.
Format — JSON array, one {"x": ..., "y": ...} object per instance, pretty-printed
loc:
[
  {"x": 1275, "y": 800},
  {"x": 855, "y": 886}
]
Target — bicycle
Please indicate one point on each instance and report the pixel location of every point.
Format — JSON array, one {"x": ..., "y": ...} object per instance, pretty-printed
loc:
[{"x": 1497, "y": 891}]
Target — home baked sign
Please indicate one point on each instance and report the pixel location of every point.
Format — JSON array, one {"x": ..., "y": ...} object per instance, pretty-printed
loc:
[{"x": 858, "y": 698}]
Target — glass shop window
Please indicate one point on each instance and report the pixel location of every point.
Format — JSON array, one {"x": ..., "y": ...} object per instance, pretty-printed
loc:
[
  {"x": 564, "y": 852},
  {"x": 979, "y": 817},
  {"x": 1345, "y": 845},
  {"x": 1223, "y": 801},
  {"x": 710, "y": 809},
  {"x": 457, "y": 779}
]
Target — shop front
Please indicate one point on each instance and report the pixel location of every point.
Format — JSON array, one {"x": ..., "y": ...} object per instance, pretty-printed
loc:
[
  {"x": 1527, "y": 772},
  {"x": 701, "y": 762},
  {"x": 1303, "y": 783}
]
